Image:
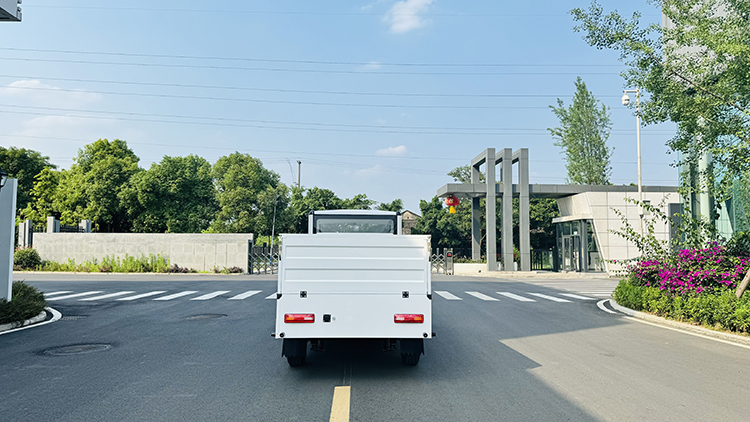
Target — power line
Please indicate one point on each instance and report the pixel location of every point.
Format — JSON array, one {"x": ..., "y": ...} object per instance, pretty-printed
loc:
[
  {"x": 297, "y": 91},
  {"x": 321, "y": 62},
  {"x": 376, "y": 128},
  {"x": 322, "y": 71}
]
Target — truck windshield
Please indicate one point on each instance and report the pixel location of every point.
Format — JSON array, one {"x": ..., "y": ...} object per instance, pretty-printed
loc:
[{"x": 355, "y": 225}]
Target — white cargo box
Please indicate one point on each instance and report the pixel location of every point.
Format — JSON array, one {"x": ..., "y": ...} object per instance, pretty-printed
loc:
[{"x": 354, "y": 284}]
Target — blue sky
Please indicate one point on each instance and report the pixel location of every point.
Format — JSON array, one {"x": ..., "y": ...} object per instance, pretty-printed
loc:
[{"x": 381, "y": 97}]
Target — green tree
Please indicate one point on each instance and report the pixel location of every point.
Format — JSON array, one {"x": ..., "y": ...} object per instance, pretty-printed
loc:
[
  {"x": 696, "y": 72},
  {"x": 248, "y": 193},
  {"x": 23, "y": 164},
  {"x": 396, "y": 205},
  {"x": 44, "y": 200},
  {"x": 462, "y": 174},
  {"x": 358, "y": 202},
  {"x": 582, "y": 134},
  {"x": 175, "y": 195},
  {"x": 315, "y": 199},
  {"x": 91, "y": 188}
]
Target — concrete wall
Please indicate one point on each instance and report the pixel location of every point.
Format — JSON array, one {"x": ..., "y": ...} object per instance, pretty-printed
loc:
[
  {"x": 598, "y": 206},
  {"x": 201, "y": 252}
]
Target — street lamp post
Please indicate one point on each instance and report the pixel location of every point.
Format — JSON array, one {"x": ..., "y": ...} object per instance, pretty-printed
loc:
[{"x": 626, "y": 102}]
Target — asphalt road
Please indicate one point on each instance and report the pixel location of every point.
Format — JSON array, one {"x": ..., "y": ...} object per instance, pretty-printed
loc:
[{"x": 495, "y": 360}]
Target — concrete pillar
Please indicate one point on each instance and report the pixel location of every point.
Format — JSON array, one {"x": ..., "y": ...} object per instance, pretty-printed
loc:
[
  {"x": 476, "y": 220},
  {"x": 85, "y": 225},
  {"x": 507, "y": 210},
  {"x": 53, "y": 225},
  {"x": 25, "y": 234},
  {"x": 7, "y": 232},
  {"x": 491, "y": 210},
  {"x": 524, "y": 228}
]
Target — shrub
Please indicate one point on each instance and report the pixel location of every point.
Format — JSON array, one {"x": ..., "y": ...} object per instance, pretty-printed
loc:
[
  {"x": 26, "y": 259},
  {"x": 27, "y": 302},
  {"x": 717, "y": 309}
]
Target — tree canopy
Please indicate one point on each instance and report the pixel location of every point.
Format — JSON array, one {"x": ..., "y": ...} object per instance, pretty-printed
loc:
[
  {"x": 696, "y": 71},
  {"x": 582, "y": 134},
  {"x": 23, "y": 164}
]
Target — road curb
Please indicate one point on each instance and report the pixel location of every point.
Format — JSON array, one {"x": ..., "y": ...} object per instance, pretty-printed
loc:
[
  {"x": 11, "y": 325},
  {"x": 734, "y": 338}
]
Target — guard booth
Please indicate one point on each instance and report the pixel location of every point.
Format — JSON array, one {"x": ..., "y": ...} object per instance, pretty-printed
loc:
[{"x": 577, "y": 249}]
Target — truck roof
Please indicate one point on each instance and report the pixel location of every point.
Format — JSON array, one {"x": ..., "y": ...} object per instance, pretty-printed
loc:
[{"x": 355, "y": 212}]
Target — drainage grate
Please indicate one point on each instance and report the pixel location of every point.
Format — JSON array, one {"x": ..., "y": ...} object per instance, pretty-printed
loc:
[
  {"x": 204, "y": 316},
  {"x": 77, "y": 349},
  {"x": 73, "y": 317}
]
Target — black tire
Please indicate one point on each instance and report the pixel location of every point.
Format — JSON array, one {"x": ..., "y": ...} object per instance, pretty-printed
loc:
[
  {"x": 410, "y": 359},
  {"x": 296, "y": 360}
]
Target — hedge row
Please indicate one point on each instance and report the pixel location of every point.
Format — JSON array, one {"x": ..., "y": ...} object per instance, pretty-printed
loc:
[{"x": 719, "y": 310}]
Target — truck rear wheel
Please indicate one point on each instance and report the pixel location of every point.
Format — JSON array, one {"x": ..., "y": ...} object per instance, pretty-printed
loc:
[
  {"x": 411, "y": 350},
  {"x": 295, "y": 351}
]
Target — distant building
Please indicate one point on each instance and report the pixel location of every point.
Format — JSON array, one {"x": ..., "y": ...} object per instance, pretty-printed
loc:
[{"x": 408, "y": 221}]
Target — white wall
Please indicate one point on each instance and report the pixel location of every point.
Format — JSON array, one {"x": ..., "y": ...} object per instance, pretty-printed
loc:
[
  {"x": 598, "y": 206},
  {"x": 201, "y": 252}
]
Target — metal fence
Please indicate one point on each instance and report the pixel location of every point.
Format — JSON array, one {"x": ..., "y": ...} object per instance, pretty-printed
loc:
[
  {"x": 543, "y": 260},
  {"x": 441, "y": 261},
  {"x": 263, "y": 260},
  {"x": 71, "y": 229}
]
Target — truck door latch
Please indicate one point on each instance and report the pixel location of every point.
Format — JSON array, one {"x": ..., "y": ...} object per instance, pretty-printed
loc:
[
  {"x": 303, "y": 294},
  {"x": 405, "y": 294}
]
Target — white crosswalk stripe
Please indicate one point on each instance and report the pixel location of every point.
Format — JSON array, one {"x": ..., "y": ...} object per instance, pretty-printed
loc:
[
  {"x": 552, "y": 298},
  {"x": 176, "y": 295},
  {"x": 211, "y": 295},
  {"x": 271, "y": 296},
  {"x": 245, "y": 295},
  {"x": 142, "y": 295},
  {"x": 447, "y": 295},
  {"x": 516, "y": 297},
  {"x": 75, "y": 295},
  {"x": 571, "y": 295},
  {"x": 57, "y": 293},
  {"x": 107, "y": 296},
  {"x": 482, "y": 296}
]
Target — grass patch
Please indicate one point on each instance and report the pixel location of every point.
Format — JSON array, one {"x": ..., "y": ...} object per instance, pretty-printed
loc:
[{"x": 27, "y": 302}]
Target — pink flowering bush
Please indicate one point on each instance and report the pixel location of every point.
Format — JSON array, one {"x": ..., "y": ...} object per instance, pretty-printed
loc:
[{"x": 692, "y": 271}]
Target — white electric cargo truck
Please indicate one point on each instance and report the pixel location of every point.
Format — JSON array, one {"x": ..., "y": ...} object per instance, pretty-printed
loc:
[{"x": 354, "y": 275}]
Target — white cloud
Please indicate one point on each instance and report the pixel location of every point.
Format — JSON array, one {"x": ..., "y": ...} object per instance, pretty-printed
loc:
[
  {"x": 404, "y": 15},
  {"x": 372, "y": 66},
  {"x": 392, "y": 151},
  {"x": 35, "y": 92}
]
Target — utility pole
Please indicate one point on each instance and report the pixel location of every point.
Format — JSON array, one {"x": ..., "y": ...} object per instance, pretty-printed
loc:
[{"x": 299, "y": 174}]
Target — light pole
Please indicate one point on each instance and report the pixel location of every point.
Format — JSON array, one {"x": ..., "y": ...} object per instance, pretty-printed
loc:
[{"x": 626, "y": 102}]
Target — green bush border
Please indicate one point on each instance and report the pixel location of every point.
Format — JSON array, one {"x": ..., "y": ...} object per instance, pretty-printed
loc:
[
  {"x": 720, "y": 310},
  {"x": 27, "y": 302}
]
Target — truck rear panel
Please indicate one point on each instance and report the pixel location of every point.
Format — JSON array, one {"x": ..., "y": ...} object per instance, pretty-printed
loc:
[{"x": 360, "y": 280}]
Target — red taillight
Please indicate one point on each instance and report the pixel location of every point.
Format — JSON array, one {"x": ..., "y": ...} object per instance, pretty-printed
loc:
[
  {"x": 409, "y": 318},
  {"x": 299, "y": 318}
]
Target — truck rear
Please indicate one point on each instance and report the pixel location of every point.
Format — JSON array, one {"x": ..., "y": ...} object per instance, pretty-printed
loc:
[{"x": 354, "y": 276}]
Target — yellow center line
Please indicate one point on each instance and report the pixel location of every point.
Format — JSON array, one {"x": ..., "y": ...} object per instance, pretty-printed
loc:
[{"x": 340, "y": 405}]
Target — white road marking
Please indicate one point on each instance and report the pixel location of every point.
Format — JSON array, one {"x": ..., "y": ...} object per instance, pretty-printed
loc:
[
  {"x": 601, "y": 306},
  {"x": 55, "y": 317},
  {"x": 516, "y": 297},
  {"x": 447, "y": 295},
  {"x": 57, "y": 293},
  {"x": 211, "y": 295},
  {"x": 271, "y": 296},
  {"x": 75, "y": 295},
  {"x": 176, "y": 295},
  {"x": 245, "y": 295},
  {"x": 107, "y": 296},
  {"x": 482, "y": 296},
  {"x": 576, "y": 296},
  {"x": 686, "y": 332},
  {"x": 552, "y": 298},
  {"x": 142, "y": 295}
]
